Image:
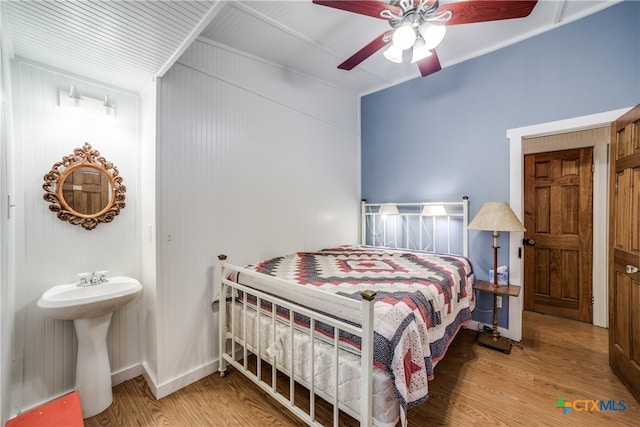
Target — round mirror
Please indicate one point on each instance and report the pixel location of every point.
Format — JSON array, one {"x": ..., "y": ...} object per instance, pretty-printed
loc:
[{"x": 84, "y": 188}]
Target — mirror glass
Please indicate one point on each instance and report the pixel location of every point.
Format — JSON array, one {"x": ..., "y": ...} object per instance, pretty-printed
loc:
[{"x": 84, "y": 188}]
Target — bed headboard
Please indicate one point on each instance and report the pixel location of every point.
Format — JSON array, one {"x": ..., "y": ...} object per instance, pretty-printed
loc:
[{"x": 432, "y": 227}]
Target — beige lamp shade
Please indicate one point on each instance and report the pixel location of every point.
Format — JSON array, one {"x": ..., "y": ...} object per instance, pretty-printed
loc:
[
  {"x": 388, "y": 209},
  {"x": 496, "y": 216},
  {"x": 433, "y": 210}
]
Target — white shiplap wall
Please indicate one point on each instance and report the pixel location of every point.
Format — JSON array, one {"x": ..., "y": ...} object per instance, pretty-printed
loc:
[
  {"x": 252, "y": 161},
  {"x": 51, "y": 252}
]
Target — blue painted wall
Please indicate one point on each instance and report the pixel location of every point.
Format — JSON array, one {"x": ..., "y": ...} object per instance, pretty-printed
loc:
[{"x": 444, "y": 136}]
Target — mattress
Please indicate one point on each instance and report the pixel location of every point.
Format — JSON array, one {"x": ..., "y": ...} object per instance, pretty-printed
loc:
[
  {"x": 422, "y": 301},
  {"x": 386, "y": 410}
]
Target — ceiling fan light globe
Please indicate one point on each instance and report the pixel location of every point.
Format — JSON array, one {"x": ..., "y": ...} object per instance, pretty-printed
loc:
[
  {"x": 393, "y": 54},
  {"x": 420, "y": 51},
  {"x": 404, "y": 36},
  {"x": 432, "y": 34}
]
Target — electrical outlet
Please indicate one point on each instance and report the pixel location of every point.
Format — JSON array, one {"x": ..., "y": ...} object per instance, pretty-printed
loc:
[{"x": 499, "y": 302}]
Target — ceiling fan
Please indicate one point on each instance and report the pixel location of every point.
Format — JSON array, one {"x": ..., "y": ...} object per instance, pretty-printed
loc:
[{"x": 418, "y": 26}]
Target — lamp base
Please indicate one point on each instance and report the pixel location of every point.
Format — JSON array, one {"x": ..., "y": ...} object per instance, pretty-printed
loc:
[{"x": 500, "y": 343}]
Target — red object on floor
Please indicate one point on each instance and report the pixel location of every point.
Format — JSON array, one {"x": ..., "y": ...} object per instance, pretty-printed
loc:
[{"x": 64, "y": 412}]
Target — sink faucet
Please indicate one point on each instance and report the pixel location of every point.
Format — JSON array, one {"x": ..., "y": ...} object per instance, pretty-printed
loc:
[
  {"x": 93, "y": 278},
  {"x": 85, "y": 279}
]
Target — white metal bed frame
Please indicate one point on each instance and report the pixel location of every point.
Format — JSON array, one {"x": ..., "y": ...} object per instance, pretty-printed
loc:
[
  {"x": 411, "y": 216},
  {"x": 236, "y": 349}
]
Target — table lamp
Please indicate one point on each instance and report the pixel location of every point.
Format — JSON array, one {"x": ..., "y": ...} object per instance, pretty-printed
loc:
[{"x": 496, "y": 217}]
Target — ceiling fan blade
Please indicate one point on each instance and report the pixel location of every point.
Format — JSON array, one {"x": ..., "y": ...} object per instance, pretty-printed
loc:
[
  {"x": 374, "y": 46},
  {"x": 429, "y": 65},
  {"x": 363, "y": 7},
  {"x": 468, "y": 12}
]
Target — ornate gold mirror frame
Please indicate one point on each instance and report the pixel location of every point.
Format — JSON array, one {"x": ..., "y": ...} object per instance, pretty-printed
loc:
[{"x": 84, "y": 188}]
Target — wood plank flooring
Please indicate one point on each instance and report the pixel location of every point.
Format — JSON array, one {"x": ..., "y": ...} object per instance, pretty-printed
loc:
[{"x": 473, "y": 386}]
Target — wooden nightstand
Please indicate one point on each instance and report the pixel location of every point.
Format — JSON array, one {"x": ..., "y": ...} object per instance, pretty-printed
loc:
[{"x": 494, "y": 340}]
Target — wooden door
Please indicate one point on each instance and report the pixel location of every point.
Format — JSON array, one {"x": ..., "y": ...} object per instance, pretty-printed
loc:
[
  {"x": 558, "y": 205},
  {"x": 624, "y": 253}
]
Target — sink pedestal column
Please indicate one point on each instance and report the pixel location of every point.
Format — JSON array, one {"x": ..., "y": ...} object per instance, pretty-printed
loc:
[{"x": 93, "y": 371}]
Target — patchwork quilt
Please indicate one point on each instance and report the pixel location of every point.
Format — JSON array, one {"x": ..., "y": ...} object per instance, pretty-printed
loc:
[{"x": 422, "y": 301}]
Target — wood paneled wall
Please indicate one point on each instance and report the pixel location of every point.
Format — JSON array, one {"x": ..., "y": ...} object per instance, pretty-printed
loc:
[
  {"x": 51, "y": 252},
  {"x": 252, "y": 161}
]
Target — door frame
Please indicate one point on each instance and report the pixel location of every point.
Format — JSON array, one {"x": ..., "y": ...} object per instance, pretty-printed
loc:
[{"x": 516, "y": 138}]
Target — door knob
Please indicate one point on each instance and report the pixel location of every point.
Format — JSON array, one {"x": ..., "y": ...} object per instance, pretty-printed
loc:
[
  {"x": 528, "y": 242},
  {"x": 632, "y": 269}
]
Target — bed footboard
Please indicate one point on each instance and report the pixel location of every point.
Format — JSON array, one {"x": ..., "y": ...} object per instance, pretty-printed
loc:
[{"x": 280, "y": 316}]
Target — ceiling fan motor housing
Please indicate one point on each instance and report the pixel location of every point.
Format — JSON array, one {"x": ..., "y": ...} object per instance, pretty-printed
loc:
[{"x": 412, "y": 13}]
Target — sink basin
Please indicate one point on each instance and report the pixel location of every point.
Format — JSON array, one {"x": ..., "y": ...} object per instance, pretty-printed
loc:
[{"x": 69, "y": 302}]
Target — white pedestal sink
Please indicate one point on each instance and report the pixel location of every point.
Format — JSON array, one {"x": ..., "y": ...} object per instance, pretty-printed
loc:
[{"x": 91, "y": 307}]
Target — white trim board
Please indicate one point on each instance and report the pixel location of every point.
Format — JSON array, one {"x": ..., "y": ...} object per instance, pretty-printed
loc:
[
  {"x": 516, "y": 199},
  {"x": 175, "y": 384},
  {"x": 126, "y": 374}
]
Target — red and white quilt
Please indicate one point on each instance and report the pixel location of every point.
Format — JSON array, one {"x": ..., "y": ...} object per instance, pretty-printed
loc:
[{"x": 422, "y": 301}]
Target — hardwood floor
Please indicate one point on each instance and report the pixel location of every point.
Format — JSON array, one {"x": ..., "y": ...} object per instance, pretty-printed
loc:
[{"x": 473, "y": 386}]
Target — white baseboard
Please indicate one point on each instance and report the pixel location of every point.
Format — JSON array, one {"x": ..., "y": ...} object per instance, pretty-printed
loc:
[
  {"x": 168, "y": 387},
  {"x": 126, "y": 374},
  {"x": 475, "y": 326},
  {"x": 175, "y": 384}
]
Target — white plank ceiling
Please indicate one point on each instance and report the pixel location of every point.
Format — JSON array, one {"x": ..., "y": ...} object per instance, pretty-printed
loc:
[{"x": 128, "y": 43}]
